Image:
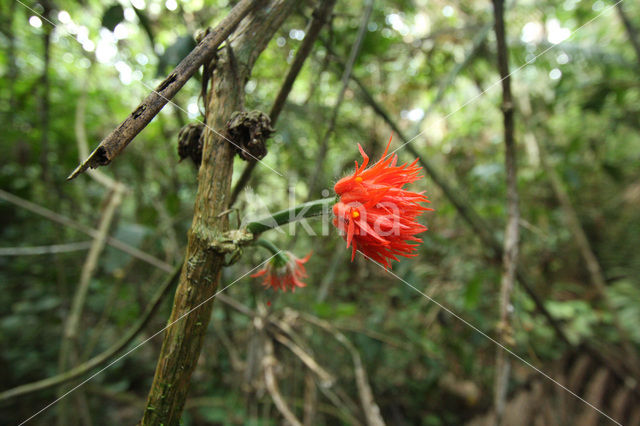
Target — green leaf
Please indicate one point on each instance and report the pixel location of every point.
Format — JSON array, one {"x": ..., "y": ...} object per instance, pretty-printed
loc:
[{"x": 112, "y": 17}]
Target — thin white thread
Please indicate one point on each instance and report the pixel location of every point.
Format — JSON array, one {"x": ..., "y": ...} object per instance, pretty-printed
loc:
[
  {"x": 530, "y": 61},
  {"x": 68, "y": 34},
  {"x": 405, "y": 282},
  {"x": 145, "y": 341},
  {"x": 501, "y": 346}
]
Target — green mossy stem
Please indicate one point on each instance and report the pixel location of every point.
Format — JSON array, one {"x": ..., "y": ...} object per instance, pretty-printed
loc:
[{"x": 302, "y": 211}]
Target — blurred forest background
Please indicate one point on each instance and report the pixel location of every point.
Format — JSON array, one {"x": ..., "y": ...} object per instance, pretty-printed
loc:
[{"x": 82, "y": 262}]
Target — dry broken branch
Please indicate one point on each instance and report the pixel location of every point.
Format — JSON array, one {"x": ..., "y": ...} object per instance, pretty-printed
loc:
[{"x": 119, "y": 138}]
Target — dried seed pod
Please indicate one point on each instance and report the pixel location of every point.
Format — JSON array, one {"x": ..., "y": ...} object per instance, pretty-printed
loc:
[
  {"x": 190, "y": 141},
  {"x": 249, "y": 132}
]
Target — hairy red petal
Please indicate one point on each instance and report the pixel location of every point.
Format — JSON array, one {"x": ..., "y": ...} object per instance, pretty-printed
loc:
[
  {"x": 285, "y": 277},
  {"x": 385, "y": 224}
]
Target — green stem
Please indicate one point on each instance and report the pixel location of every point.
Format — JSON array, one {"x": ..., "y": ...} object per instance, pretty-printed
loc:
[
  {"x": 302, "y": 211},
  {"x": 281, "y": 256},
  {"x": 268, "y": 245}
]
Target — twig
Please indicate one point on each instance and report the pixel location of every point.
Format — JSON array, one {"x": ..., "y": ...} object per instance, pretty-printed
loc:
[
  {"x": 596, "y": 274},
  {"x": 170, "y": 237},
  {"x": 268, "y": 363},
  {"x": 310, "y": 399},
  {"x": 345, "y": 411},
  {"x": 63, "y": 220},
  {"x": 353, "y": 55},
  {"x": 329, "y": 277},
  {"x": 119, "y": 138},
  {"x": 369, "y": 406},
  {"x": 70, "y": 334},
  {"x": 37, "y": 250},
  {"x": 105, "y": 356},
  {"x": 91, "y": 262},
  {"x": 326, "y": 379},
  {"x": 478, "y": 41},
  {"x": 98, "y": 328},
  {"x": 382, "y": 338},
  {"x": 236, "y": 305},
  {"x": 236, "y": 361},
  {"x": 318, "y": 19},
  {"x": 511, "y": 236}
]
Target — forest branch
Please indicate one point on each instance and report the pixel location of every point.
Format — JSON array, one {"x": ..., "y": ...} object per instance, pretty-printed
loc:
[
  {"x": 65, "y": 221},
  {"x": 344, "y": 83},
  {"x": 511, "y": 234},
  {"x": 118, "y": 139},
  {"x": 202, "y": 267},
  {"x": 67, "y": 353},
  {"x": 320, "y": 16},
  {"x": 268, "y": 363},
  {"x": 103, "y": 357}
]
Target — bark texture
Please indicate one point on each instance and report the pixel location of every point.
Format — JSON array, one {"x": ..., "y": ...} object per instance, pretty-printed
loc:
[{"x": 201, "y": 269}]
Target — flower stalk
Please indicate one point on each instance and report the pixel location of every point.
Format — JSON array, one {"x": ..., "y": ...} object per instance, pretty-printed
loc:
[
  {"x": 280, "y": 254},
  {"x": 301, "y": 211}
]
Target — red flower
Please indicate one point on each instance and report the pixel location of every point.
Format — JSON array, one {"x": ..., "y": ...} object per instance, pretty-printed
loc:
[
  {"x": 375, "y": 215},
  {"x": 284, "y": 271}
]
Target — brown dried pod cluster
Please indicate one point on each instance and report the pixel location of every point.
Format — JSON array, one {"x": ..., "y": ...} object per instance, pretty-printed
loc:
[
  {"x": 249, "y": 132},
  {"x": 190, "y": 142},
  {"x": 246, "y": 131}
]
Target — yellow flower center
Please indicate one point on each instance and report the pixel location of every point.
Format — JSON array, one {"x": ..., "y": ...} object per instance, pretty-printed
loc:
[
  {"x": 358, "y": 179},
  {"x": 355, "y": 214}
]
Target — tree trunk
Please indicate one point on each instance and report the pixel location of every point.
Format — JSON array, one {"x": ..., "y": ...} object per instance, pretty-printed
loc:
[{"x": 201, "y": 270}]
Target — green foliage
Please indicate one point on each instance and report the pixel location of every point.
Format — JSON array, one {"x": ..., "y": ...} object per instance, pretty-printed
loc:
[{"x": 106, "y": 59}]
